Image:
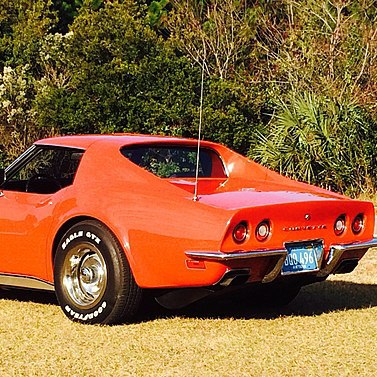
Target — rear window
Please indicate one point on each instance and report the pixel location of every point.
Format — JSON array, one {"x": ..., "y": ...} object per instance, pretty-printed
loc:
[{"x": 175, "y": 161}]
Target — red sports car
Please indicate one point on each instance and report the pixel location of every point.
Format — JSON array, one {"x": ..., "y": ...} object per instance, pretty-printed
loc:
[{"x": 100, "y": 219}]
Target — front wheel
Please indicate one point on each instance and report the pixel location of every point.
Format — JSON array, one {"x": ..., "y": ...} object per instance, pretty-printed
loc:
[{"x": 93, "y": 280}]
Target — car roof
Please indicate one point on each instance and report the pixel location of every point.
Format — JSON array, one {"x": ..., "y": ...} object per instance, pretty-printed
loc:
[{"x": 84, "y": 141}]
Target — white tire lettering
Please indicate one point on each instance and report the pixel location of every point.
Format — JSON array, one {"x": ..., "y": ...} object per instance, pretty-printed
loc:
[
  {"x": 72, "y": 237},
  {"x": 93, "y": 237},
  {"x": 87, "y": 316}
]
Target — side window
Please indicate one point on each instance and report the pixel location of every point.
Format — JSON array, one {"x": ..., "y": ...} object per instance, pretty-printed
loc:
[{"x": 47, "y": 171}]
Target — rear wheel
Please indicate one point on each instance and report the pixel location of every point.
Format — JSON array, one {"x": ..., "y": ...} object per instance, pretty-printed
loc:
[{"x": 93, "y": 280}]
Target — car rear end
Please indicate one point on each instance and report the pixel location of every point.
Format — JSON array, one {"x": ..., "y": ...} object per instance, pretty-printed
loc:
[{"x": 307, "y": 239}]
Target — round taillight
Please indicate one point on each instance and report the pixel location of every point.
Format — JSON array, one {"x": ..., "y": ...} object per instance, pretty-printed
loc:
[
  {"x": 240, "y": 232},
  {"x": 340, "y": 225},
  {"x": 358, "y": 223},
  {"x": 263, "y": 230}
]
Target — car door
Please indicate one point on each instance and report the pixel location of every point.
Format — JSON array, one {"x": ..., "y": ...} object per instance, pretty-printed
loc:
[{"x": 28, "y": 197}]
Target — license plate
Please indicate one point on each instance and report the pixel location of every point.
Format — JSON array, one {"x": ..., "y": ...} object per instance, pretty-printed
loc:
[{"x": 302, "y": 257}]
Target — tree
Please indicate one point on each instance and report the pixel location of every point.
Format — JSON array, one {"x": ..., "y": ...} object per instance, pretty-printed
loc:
[
  {"x": 120, "y": 77},
  {"x": 217, "y": 32},
  {"x": 68, "y": 10},
  {"x": 23, "y": 25},
  {"x": 113, "y": 73}
]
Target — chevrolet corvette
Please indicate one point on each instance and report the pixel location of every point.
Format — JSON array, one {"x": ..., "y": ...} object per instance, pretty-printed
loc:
[{"x": 102, "y": 219}]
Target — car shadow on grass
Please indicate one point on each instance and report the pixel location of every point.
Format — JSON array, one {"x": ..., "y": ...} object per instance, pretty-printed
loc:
[
  {"x": 23, "y": 295},
  {"x": 313, "y": 300}
]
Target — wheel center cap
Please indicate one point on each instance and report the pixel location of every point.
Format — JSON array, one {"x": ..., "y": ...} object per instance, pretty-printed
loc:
[{"x": 87, "y": 275}]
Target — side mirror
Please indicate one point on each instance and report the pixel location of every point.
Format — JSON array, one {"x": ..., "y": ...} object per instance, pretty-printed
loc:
[{"x": 2, "y": 176}]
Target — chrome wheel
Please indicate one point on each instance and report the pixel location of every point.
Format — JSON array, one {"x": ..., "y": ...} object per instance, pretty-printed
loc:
[
  {"x": 93, "y": 280},
  {"x": 84, "y": 275}
]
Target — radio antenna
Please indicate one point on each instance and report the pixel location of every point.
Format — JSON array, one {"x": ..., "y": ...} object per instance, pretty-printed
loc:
[{"x": 196, "y": 198}]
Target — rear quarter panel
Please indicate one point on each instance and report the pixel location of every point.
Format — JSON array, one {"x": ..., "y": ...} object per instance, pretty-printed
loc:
[{"x": 154, "y": 221}]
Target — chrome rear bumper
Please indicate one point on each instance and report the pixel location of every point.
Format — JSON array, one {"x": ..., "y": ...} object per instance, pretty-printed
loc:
[
  {"x": 335, "y": 255},
  {"x": 337, "y": 251},
  {"x": 219, "y": 256}
]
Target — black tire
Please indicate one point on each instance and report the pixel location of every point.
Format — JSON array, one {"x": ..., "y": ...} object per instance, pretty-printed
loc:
[{"x": 93, "y": 280}]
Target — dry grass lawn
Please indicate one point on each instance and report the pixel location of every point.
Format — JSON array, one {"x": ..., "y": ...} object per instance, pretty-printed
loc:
[{"x": 330, "y": 329}]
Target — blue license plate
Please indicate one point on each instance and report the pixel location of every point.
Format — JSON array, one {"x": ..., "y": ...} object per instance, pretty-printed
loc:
[{"x": 302, "y": 257}]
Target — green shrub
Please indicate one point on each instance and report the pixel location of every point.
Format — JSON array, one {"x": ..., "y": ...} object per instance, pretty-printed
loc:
[
  {"x": 23, "y": 25},
  {"x": 112, "y": 73},
  {"x": 321, "y": 141},
  {"x": 116, "y": 75}
]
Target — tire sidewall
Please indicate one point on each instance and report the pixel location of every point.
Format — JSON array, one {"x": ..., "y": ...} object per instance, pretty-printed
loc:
[{"x": 101, "y": 238}]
